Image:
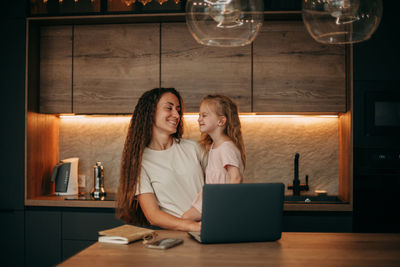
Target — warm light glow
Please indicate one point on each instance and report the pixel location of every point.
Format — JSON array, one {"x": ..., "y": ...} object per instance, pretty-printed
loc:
[
  {"x": 196, "y": 115},
  {"x": 128, "y": 2},
  {"x": 254, "y": 115},
  {"x": 144, "y": 2},
  {"x": 328, "y": 116},
  {"x": 71, "y": 116},
  {"x": 161, "y": 1}
]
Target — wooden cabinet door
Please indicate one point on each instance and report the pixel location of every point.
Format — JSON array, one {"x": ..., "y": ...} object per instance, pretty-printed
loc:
[
  {"x": 196, "y": 70},
  {"x": 113, "y": 65},
  {"x": 56, "y": 69},
  {"x": 294, "y": 73}
]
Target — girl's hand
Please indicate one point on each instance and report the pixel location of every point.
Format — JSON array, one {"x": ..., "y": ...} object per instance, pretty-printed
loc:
[
  {"x": 194, "y": 226},
  {"x": 192, "y": 214}
]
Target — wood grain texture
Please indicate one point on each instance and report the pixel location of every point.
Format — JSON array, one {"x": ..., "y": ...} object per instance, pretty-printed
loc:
[
  {"x": 42, "y": 153},
  {"x": 56, "y": 69},
  {"x": 345, "y": 158},
  {"x": 293, "y": 249},
  {"x": 196, "y": 70},
  {"x": 294, "y": 73},
  {"x": 113, "y": 65}
]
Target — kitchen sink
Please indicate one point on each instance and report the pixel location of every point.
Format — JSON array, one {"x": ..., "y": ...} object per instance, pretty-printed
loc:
[{"x": 314, "y": 199}]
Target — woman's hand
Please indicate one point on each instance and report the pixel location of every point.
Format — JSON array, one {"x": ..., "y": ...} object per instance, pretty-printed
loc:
[{"x": 155, "y": 216}]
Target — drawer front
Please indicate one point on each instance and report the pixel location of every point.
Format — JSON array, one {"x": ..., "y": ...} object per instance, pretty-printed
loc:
[{"x": 86, "y": 225}]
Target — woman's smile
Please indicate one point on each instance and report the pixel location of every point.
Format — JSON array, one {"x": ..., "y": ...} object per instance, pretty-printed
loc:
[{"x": 168, "y": 114}]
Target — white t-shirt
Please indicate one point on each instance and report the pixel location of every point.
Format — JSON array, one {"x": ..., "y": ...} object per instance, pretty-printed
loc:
[{"x": 175, "y": 175}]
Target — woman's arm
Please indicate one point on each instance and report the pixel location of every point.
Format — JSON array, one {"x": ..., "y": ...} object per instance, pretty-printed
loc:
[
  {"x": 234, "y": 174},
  {"x": 155, "y": 216}
]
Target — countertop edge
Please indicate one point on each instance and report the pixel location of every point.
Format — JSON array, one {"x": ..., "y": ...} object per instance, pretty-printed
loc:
[
  {"x": 70, "y": 203},
  {"x": 111, "y": 204}
]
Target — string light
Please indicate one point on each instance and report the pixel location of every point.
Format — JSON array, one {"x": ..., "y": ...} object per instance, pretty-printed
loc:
[{"x": 126, "y": 2}]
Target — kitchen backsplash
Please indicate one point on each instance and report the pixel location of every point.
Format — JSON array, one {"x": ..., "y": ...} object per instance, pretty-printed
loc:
[{"x": 271, "y": 143}]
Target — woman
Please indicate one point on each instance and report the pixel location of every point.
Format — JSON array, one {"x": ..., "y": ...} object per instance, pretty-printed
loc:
[{"x": 161, "y": 173}]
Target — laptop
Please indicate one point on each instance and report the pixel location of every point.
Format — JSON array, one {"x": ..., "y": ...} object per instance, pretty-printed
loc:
[{"x": 241, "y": 213}]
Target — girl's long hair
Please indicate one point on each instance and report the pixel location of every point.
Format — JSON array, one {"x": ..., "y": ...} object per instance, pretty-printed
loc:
[
  {"x": 224, "y": 106},
  {"x": 138, "y": 138}
]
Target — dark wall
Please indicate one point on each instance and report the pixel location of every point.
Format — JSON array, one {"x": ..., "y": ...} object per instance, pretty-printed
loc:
[
  {"x": 13, "y": 105},
  {"x": 378, "y": 58},
  {"x": 12, "y": 84},
  {"x": 376, "y": 179}
]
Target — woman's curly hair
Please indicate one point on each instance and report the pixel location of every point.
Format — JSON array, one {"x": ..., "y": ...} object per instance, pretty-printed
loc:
[{"x": 138, "y": 138}]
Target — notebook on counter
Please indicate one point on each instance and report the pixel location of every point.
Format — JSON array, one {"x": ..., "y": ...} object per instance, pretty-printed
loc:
[{"x": 241, "y": 213}]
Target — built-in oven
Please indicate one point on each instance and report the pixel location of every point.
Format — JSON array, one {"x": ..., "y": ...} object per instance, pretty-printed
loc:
[
  {"x": 376, "y": 114},
  {"x": 376, "y": 178}
]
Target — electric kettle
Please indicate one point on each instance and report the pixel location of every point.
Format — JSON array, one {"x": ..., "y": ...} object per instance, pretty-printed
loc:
[{"x": 65, "y": 176}]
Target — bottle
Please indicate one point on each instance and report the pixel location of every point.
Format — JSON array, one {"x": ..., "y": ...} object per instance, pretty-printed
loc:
[{"x": 98, "y": 192}]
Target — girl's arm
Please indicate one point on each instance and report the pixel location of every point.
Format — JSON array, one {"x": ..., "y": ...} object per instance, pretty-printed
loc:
[
  {"x": 234, "y": 174},
  {"x": 155, "y": 216}
]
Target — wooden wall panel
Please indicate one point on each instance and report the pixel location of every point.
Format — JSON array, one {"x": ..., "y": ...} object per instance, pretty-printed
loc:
[
  {"x": 113, "y": 65},
  {"x": 345, "y": 158},
  {"x": 294, "y": 73},
  {"x": 196, "y": 70},
  {"x": 56, "y": 69},
  {"x": 42, "y": 153}
]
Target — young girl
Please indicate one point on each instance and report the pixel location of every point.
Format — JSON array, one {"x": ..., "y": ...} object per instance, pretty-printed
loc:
[{"x": 221, "y": 136}]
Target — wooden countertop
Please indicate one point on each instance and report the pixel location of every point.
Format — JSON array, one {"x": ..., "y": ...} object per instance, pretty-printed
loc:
[
  {"x": 60, "y": 201},
  {"x": 293, "y": 249}
]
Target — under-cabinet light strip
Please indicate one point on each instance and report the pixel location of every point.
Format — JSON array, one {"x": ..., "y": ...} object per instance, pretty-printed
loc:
[{"x": 196, "y": 116}]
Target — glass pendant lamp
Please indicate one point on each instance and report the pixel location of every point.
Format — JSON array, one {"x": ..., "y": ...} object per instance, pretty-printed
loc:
[
  {"x": 225, "y": 23},
  {"x": 341, "y": 21}
]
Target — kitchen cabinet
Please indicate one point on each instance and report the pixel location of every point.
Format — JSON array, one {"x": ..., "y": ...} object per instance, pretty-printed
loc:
[
  {"x": 53, "y": 235},
  {"x": 12, "y": 134},
  {"x": 12, "y": 238},
  {"x": 43, "y": 238},
  {"x": 80, "y": 225},
  {"x": 294, "y": 73},
  {"x": 56, "y": 69},
  {"x": 12, "y": 139},
  {"x": 322, "y": 221},
  {"x": 376, "y": 172},
  {"x": 80, "y": 229},
  {"x": 284, "y": 70},
  {"x": 97, "y": 68},
  {"x": 113, "y": 65},
  {"x": 196, "y": 70}
]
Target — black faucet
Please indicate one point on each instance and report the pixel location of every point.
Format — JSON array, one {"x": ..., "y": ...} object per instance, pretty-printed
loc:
[{"x": 297, "y": 187}]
